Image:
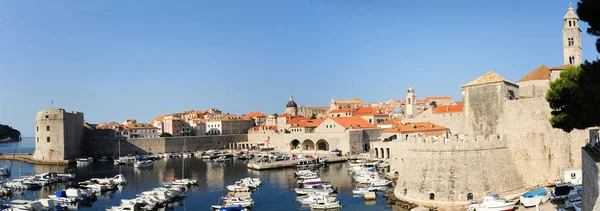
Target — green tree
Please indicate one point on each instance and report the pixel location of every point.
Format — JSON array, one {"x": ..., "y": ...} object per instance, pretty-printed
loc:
[
  {"x": 166, "y": 135},
  {"x": 575, "y": 96},
  {"x": 433, "y": 104},
  {"x": 313, "y": 116},
  {"x": 276, "y": 115}
]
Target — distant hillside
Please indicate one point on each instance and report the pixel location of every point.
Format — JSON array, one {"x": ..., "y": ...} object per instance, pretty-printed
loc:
[{"x": 7, "y": 133}]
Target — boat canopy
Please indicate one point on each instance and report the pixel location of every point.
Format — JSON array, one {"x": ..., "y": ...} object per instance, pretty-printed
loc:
[{"x": 536, "y": 192}]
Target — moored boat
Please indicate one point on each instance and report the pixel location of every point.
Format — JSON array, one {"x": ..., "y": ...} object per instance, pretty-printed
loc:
[
  {"x": 535, "y": 197},
  {"x": 143, "y": 163},
  {"x": 490, "y": 203}
]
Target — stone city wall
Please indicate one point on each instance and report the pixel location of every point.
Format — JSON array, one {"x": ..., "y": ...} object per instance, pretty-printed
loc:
[
  {"x": 450, "y": 169},
  {"x": 539, "y": 152},
  {"x": 101, "y": 147},
  {"x": 591, "y": 169},
  {"x": 533, "y": 88}
]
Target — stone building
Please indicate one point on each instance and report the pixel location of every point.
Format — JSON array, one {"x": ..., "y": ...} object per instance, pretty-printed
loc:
[
  {"x": 228, "y": 124},
  {"x": 405, "y": 131},
  {"x": 140, "y": 130},
  {"x": 536, "y": 83},
  {"x": 411, "y": 101},
  {"x": 309, "y": 111},
  {"x": 341, "y": 104},
  {"x": 175, "y": 126},
  {"x": 198, "y": 126},
  {"x": 291, "y": 107},
  {"x": 58, "y": 134},
  {"x": 450, "y": 116},
  {"x": 572, "y": 38},
  {"x": 258, "y": 118}
]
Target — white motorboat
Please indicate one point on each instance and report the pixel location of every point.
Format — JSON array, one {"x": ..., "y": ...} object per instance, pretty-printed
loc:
[
  {"x": 360, "y": 191},
  {"x": 222, "y": 159},
  {"x": 84, "y": 161},
  {"x": 535, "y": 197},
  {"x": 143, "y": 163},
  {"x": 25, "y": 205},
  {"x": 238, "y": 201},
  {"x": 380, "y": 182},
  {"x": 325, "y": 205},
  {"x": 311, "y": 199},
  {"x": 185, "y": 182},
  {"x": 238, "y": 188},
  {"x": 21, "y": 184},
  {"x": 229, "y": 208},
  {"x": 490, "y": 203}
]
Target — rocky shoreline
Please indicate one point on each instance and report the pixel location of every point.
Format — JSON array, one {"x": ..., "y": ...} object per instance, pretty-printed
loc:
[{"x": 9, "y": 139}]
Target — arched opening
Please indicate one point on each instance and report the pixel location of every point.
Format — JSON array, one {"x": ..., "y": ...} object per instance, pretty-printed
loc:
[
  {"x": 308, "y": 145},
  {"x": 376, "y": 153},
  {"x": 405, "y": 191},
  {"x": 469, "y": 196},
  {"x": 294, "y": 144},
  {"x": 366, "y": 148},
  {"x": 388, "y": 152},
  {"x": 431, "y": 196},
  {"x": 382, "y": 153},
  {"x": 322, "y": 145},
  {"x": 397, "y": 174}
]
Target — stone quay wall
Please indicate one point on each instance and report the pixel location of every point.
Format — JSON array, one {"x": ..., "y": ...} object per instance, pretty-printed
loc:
[
  {"x": 110, "y": 147},
  {"x": 449, "y": 170},
  {"x": 591, "y": 170}
]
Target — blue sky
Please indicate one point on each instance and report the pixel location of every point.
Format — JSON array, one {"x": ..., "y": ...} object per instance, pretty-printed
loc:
[{"x": 116, "y": 60}]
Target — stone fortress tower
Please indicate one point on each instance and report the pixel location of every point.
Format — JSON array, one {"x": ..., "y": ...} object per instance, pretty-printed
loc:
[
  {"x": 58, "y": 134},
  {"x": 571, "y": 38},
  {"x": 411, "y": 101},
  {"x": 291, "y": 107}
]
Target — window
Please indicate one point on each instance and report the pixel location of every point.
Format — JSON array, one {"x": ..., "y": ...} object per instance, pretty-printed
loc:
[
  {"x": 569, "y": 23},
  {"x": 48, "y": 128},
  {"x": 37, "y": 128},
  {"x": 431, "y": 196},
  {"x": 469, "y": 196},
  {"x": 48, "y": 139},
  {"x": 46, "y": 116},
  {"x": 572, "y": 175},
  {"x": 38, "y": 139}
]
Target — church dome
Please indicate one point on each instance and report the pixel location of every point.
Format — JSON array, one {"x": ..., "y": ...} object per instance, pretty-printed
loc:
[
  {"x": 291, "y": 103},
  {"x": 398, "y": 111}
]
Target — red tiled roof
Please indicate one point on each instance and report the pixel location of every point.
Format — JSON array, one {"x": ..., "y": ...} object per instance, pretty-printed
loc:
[
  {"x": 391, "y": 122},
  {"x": 367, "y": 111},
  {"x": 297, "y": 120},
  {"x": 255, "y": 114},
  {"x": 285, "y": 115},
  {"x": 561, "y": 67},
  {"x": 540, "y": 73},
  {"x": 457, "y": 107},
  {"x": 158, "y": 118},
  {"x": 435, "y": 133},
  {"x": 415, "y": 127},
  {"x": 353, "y": 122},
  {"x": 427, "y": 99},
  {"x": 343, "y": 110}
]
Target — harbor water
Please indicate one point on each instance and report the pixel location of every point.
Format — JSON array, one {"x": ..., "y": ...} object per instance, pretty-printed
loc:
[{"x": 276, "y": 193}]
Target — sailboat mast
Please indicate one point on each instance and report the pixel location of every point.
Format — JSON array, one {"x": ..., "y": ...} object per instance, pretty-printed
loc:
[
  {"x": 183, "y": 161},
  {"x": 19, "y": 161}
]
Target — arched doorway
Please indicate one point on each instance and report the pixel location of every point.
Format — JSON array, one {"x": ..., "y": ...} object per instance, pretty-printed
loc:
[
  {"x": 294, "y": 144},
  {"x": 322, "y": 145},
  {"x": 366, "y": 148},
  {"x": 469, "y": 196},
  {"x": 431, "y": 196},
  {"x": 376, "y": 153},
  {"x": 388, "y": 152},
  {"x": 308, "y": 145}
]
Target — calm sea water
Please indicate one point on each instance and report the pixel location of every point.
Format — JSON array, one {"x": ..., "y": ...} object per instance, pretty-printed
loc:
[
  {"x": 275, "y": 194},
  {"x": 27, "y": 146}
]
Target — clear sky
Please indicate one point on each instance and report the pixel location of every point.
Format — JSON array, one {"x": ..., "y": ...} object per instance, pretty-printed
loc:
[{"x": 117, "y": 60}]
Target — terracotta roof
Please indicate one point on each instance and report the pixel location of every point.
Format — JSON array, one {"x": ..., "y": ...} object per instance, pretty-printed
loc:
[
  {"x": 285, "y": 115},
  {"x": 367, "y": 111},
  {"x": 343, "y": 110},
  {"x": 391, "y": 122},
  {"x": 312, "y": 122},
  {"x": 353, "y": 122},
  {"x": 489, "y": 77},
  {"x": 561, "y": 67},
  {"x": 456, "y": 107},
  {"x": 255, "y": 114},
  {"x": 140, "y": 125},
  {"x": 297, "y": 120},
  {"x": 415, "y": 127},
  {"x": 427, "y": 99},
  {"x": 355, "y": 101},
  {"x": 157, "y": 119},
  {"x": 540, "y": 73}
]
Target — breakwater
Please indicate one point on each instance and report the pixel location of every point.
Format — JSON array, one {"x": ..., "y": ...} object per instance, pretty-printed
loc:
[
  {"x": 110, "y": 147},
  {"x": 288, "y": 163}
]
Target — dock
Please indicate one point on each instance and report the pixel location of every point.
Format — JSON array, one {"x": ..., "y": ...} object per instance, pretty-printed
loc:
[
  {"x": 28, "y": 158},
  {"x": 216, "y": 156},
  {"x": 289, "y": 163}
]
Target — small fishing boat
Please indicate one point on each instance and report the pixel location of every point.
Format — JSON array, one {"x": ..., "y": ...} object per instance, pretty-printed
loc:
[
  {"x": 491, "y": 203},
  {"x": 143, "y": 163},
  {"x": 237, "y": 201},
  {"x": 380, "y": 182},
  {"x": 325, "y": 205},
  {"x": 360, "y": 191},
  {"x": 535, "y": 197},
  {"x": 229, "y": 208},
  {"x": 185, "y": 182},
  {"x": 84, "y": 161},
  {"x": 222, "y": 159}
]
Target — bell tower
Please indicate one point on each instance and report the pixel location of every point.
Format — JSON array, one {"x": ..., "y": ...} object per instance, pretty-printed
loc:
[
  {"x": 571, "y": 38},
  {"x": 411, "y": 101}
]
